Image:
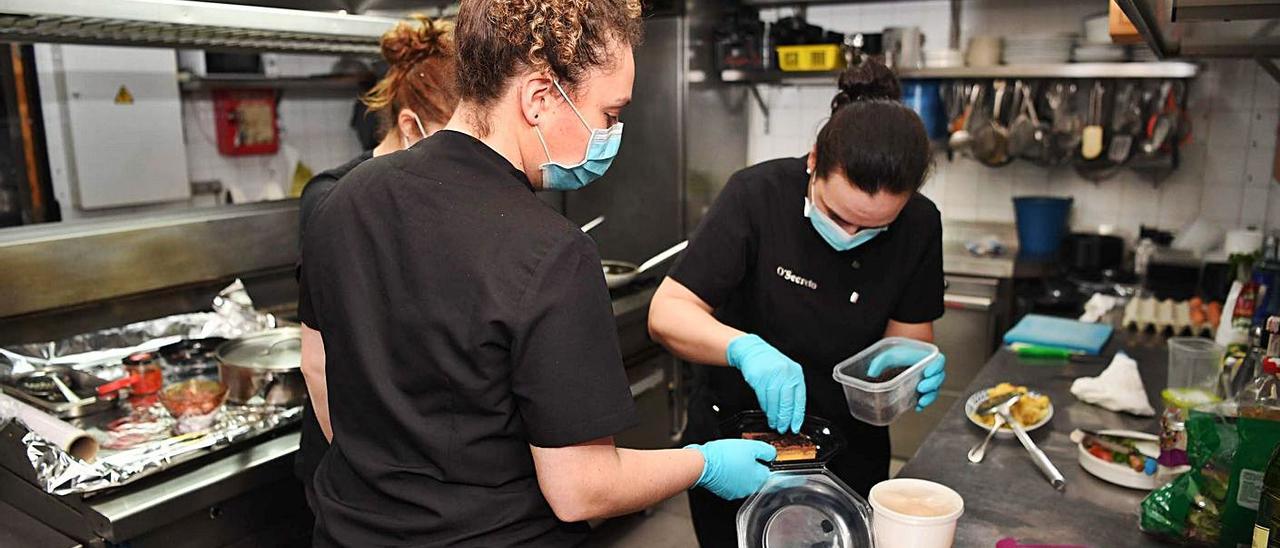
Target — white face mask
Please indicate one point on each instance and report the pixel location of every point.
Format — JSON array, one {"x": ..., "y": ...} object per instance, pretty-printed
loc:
[{"x": 421, "y": 131}]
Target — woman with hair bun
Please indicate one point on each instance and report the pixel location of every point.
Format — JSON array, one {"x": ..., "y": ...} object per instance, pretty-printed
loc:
[
  {"x": 414, "y": 99},
  {"x": 799, "y": 264},
  {"x": 459, "y": 343}
]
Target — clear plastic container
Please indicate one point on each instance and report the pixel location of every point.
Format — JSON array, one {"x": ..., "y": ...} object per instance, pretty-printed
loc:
[
  {"x": 809, "y": 508},
  {"x": 879, "y": 403},
  {"x": 1194, "y": 364}
]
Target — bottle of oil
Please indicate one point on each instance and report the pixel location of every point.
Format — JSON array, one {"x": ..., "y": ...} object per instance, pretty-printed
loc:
[{"x": 1266, "y": 527}]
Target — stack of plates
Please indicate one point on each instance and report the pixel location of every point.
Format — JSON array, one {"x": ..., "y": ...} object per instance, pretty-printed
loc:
[
  {"x": 1100, "y": 53},
  {"x": 1038, "y": 49},
  {"x": 943, "y": 58},
  {"x": 1142, "y": 52}
]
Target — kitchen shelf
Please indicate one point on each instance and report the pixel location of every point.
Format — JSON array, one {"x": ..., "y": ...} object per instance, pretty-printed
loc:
[
  {"x": 188, "y": 24},
  {"x": 1166, "y": 69},
  {"x": 336, "y": 82}
]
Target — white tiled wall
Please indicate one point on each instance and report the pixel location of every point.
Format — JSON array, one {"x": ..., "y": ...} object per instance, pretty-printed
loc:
[
  {"x": 1225, "y": 175},
  {"x": 316, "y": 126}
]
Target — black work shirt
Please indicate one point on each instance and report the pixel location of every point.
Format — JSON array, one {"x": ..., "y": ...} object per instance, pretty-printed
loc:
[
  {"x": 463, "y": 320},
  {"x": 759, "y": 262},
  {"x": 312, "y": 444}
]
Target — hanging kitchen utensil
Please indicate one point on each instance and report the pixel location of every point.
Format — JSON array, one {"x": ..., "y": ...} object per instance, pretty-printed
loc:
[
  {"x": 1065, "y": 136},
  {"x": 961, "y": 139},
  {"x": 1021, "y": 130},
  {"x": 991, "y": 141},
  {"x": 620, "y": 273},
  {"x": 1158, "y": 123},
  {"x": 1123, "y": 124},
  {"x": 1091, "y": 136}
]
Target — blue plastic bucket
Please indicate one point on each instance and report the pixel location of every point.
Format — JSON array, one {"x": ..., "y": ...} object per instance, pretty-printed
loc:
[
  {"x": 924, "y": 97},
  {"x": 1042, "y": 221}
]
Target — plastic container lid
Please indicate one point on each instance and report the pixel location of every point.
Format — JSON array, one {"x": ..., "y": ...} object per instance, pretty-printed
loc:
[
  {"x": 823, "y": 434},
  {"x": 812, "y": 508},
  {"x": 879, "y": 403}
]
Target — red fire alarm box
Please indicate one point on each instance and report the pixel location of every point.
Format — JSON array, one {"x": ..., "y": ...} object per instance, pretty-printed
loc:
[{"x": 246, "y": 122}]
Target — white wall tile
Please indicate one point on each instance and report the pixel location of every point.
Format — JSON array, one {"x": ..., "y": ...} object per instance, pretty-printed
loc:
[
  {"x": 1259, "y": 166},
  {"x": 1253, "y": 208}
]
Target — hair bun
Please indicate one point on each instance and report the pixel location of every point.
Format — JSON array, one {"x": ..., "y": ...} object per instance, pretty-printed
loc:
[
  {"x": 413, "y": 41},
  {"x": 868, "y": 81}
]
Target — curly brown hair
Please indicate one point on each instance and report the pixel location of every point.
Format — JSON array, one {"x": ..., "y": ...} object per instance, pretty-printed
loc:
[
  {"x": 498, "y": 39},
  {"x": 421, "y": 73}
]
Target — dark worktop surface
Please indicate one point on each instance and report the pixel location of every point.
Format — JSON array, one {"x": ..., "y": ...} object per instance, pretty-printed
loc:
[{"x": 1005, "y": 495}]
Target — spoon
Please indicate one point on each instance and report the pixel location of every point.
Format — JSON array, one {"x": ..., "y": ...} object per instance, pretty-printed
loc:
[
  {"x": 980, "y": 450},
  {"x": 67, "y": 393},
  {"x": 988, "y": 407}
]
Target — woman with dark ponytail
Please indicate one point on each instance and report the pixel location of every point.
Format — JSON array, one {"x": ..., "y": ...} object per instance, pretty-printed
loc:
[{"x": 801, "y": 263}]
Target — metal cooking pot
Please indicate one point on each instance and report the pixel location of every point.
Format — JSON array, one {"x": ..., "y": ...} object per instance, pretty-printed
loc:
[{"x": 264, "y": 368}]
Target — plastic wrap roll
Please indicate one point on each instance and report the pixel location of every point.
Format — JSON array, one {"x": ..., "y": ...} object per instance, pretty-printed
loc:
[{"x": 74, "y": 441}]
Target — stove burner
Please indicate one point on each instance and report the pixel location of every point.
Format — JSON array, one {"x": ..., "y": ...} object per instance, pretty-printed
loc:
[{"x": 41, "y": 385}]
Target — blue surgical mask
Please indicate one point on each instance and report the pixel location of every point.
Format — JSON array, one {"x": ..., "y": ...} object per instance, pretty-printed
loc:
[
  {"x": 602, "y": 148},
  {"x": 835, "y": 236}
]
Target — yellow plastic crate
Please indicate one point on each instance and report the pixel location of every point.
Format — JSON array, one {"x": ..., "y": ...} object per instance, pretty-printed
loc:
[{"x": 810, "y": 58}]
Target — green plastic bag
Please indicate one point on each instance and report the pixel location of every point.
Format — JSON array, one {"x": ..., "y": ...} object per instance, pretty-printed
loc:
[
  {"x": 1258, "y": 438},
  {"x": 1189, "y": 508}
]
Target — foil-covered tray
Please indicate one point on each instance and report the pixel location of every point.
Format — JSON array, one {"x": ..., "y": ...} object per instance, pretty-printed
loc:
[{"x": 60, "y": 473}]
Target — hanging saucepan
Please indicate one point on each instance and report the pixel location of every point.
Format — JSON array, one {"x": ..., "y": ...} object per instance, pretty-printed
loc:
[
  {"x": 620, "y": 273},
  {"x": 264, "y": 368}
]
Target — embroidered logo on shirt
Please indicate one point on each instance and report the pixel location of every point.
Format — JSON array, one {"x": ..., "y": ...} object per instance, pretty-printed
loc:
[{"x": 786, "y": 274}]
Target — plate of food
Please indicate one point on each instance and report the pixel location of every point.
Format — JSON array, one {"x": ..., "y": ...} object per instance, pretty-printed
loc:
[
  {"x": 1032, "y": 410},
  {"x": 811, "y": 447},
  {"x": 1123, "y": 457}
]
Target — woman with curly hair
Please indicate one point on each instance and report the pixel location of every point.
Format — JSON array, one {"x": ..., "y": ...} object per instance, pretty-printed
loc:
[{"x": 459, "y": 342}]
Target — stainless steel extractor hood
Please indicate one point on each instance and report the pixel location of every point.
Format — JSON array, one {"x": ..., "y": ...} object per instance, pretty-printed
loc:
[{"x": 1207, "y": 28}]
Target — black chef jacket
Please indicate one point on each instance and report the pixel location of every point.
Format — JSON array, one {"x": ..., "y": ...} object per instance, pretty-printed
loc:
[
  {"x": 757, "y": 260},
  {"x": 463, "y": 320},
  {"x": 312, "y": 444}
]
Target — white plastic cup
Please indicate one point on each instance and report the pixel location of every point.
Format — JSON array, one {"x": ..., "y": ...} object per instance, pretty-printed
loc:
[{"x": 914, "y": 513}]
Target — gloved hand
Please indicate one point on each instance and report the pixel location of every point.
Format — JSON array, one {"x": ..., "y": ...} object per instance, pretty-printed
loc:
[
  {"x": 777, "y": 381},
  {"x": 731, "y": 468},
  {"x": 903, "y": 356}
]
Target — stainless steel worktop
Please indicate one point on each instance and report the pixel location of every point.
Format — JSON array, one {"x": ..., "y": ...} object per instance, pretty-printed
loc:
[
  {"x": 956, "y": 260},
  {"x": 1090, "y": 512}
]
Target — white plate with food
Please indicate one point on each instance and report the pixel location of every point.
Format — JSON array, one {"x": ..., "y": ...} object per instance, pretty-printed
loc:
[
  {"x": 1123, "y": 457},
  {"x": 1032, "y": 410}
]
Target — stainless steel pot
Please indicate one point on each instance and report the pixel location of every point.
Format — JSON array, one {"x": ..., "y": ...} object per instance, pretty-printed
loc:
[{"x": 264, "y": 368}]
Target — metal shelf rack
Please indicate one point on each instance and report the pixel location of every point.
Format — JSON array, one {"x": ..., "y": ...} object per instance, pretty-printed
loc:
[
  {"x": 1166, "y": 69},
  {"x": 188, "y": 24}
]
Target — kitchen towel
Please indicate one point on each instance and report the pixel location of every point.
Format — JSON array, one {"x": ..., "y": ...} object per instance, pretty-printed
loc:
[{"x": 1118, "y": 388}]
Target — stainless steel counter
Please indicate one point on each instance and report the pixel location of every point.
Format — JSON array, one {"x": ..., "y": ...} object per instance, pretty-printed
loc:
[
  {"x": 1005, "y": 496},
  {"x": 956, "y": 260}
]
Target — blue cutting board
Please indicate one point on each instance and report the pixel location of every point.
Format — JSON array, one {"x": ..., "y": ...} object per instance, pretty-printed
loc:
[{"x": 1059, "y": 332}]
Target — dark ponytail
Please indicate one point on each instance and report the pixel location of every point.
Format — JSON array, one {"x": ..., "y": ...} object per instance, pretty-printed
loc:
[{"x": 872, "y": 139}]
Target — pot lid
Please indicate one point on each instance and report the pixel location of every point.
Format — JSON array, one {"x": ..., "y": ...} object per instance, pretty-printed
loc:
[
  {"x": 278, "y": 349},
  {"x": 803, "y": 509}
]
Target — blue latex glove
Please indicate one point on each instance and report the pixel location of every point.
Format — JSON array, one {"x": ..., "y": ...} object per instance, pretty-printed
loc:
[
  {"x": 903, "y": 356},
  {"x": 732, "y": 468},
  {"x": 777, "y": 381}
]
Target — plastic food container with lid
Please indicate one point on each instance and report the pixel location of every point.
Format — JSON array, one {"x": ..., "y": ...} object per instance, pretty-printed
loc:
[
  {"x": 805, "y": 508},
  {"x": 879, "y": 403}
]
